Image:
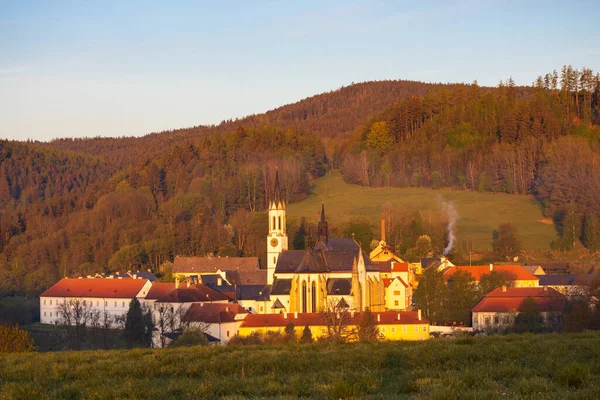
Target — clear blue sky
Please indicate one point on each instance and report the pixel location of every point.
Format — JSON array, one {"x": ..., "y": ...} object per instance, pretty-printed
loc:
[{"x": 114, "y": 68}]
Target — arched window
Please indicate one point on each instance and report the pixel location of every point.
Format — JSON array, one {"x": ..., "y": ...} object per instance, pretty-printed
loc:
[
  {"x": 304, "y": 297},
  {"x": 273, "y": 223},
  {"x": 313, "y": 294},
  {"x": 279, "y": 223},
  {"x": 274, "y": 259}
]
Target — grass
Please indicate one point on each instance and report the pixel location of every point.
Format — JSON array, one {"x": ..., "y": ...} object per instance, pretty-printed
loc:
[
  {"x": 479, "y": 213},
  {"x": 495, "y": 367}
]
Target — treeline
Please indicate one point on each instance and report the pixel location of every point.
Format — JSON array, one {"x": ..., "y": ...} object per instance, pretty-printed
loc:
[
  {"x": 543, "y": 142},
  {"x": 197, "y": 199}
]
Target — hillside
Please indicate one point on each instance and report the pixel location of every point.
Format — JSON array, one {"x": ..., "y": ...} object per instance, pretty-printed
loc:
[
  {"x": 479, "y": 213},
  {"x": 496, "y": 367}
]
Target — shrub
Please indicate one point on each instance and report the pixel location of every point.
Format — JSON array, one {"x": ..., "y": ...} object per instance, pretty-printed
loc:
[
  {"x": 190, "y": 337},
  {"x": 15, "y": 339}
]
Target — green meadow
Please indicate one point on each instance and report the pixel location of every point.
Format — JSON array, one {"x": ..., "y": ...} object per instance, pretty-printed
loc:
[
  {"x": 496, "y": 367},
  {"x": 479, "y": 213}
]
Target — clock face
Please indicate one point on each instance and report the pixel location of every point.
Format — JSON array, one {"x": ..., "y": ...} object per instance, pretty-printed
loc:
[{"x": 274, "y": 242}]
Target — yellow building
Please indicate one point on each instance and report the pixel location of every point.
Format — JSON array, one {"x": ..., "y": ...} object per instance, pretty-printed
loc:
[
  {"x": 383, "y": 252},
  {"x": 403, "y": 325}
]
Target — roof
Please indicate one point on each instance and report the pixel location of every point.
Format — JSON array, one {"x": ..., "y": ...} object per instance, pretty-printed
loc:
[
  {"x": 241, "y": 277},
  {"x": 281, "y": 286},
  {"x": 159, "y": 289},
  {"x": 213, "y": 313},
  {"x": 399, "y": 267},
  {"x": 192, "y": 294},
  {"x": 567, "y": 279},
  {"x": 510, "y": 299},
  {"x": 277, "y": 305},
  {"x": 532, "y": 268},
  {"x": 312, "y": 319},
  {"x": 335, "y": 255},
  {"x": 384, "y": 266},
  {"x": 388, "y": 281},
  {"x": 555, "y": 266},
  {"x": 427, "y": 261},
  {"x": 339, "y": 286},
  {"x": 213, "y": 264},
  {"x": 253, "y": 292},
  {"x": 213, "y": 280},
  {"x": 520, "y": 273},
  {"x": 97, "y": 287}
]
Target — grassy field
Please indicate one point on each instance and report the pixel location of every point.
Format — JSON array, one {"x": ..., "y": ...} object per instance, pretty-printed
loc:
[
  {"x": 496, "y": 367},
  {"x": 479, "y": 213}
]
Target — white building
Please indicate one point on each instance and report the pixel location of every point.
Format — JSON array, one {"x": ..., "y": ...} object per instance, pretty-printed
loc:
[{"x": 110, "y": 296}]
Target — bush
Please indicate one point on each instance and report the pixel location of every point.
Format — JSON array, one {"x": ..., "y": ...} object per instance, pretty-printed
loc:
[
  {"x": 190, "y": 337},
  {"x": 15, "y": 340}
]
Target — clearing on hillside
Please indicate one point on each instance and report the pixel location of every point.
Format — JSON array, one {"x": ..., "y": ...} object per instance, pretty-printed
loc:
[{"x": 479, "y": 213}]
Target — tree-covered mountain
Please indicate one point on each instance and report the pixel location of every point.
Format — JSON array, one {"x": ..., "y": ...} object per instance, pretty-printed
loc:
[{"x": 78, "y": 206}]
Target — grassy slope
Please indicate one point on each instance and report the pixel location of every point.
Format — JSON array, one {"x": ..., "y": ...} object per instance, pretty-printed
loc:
[
  {"x": 497, "y": 367},
  {"x": 479, "y": 213}
]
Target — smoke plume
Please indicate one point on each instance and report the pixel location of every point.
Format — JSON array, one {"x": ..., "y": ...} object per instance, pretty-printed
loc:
[{"x": 449, "y": 209}]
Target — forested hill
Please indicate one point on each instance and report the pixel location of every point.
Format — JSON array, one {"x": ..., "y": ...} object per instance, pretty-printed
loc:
[
  {"x": 328, "y": 114},
  {"x": 81, "y": 206}
]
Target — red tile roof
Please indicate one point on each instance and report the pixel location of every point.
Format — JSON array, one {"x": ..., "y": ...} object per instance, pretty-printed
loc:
[
  {"x": 399, "y": 267},
  {"x": 96, "y": 287},
  {"x": 520, "y": 273},
  {"x": 388, "y": 281},
  {"x": 192, "y": 294},
  {"x": 159, "y": 289},
  {"x": 312, "y": 319},
  {"x": 213, "y": 313},
  {"x": 511, "y": 299}
]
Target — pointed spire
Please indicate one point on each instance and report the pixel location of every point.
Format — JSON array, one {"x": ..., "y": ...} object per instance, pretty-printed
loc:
[
  {"x": 322, "y": 228},
  {"x": 322, "y": 211},
  {"x": 277, "y": 188}
]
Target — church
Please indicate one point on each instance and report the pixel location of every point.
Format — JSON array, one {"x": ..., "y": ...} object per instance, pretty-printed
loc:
[{"x": 307, "y": 281}]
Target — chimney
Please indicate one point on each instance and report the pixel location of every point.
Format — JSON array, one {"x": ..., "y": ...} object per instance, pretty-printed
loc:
[
  {"x": 504, "y": 288},
  {"x": 398, "y": 316},
  {"x": 352, "y": 314},
  {"x": 383, "y": 230},
  {"x": 295, "y": 314},
  {"x": 545, "y": 288},
  {"x": 491, "y": 267},
  {"x": 219, "y": 281},
  {"x": 134, "y": 276},
  {"x": 378, "y": 317},
  {"x": 419, "y": 315},
  {"x": 227, "y": 309},
  {"x": 176, "y": 283},
  {"x": 284, "y": 315}
]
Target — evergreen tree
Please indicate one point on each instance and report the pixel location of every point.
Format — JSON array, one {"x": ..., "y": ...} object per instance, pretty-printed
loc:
[
  {"x": 379, "y": 138},
  {"x": 367, "y": 327},
  {"x": 306, "y": 335},
  {"x": 591, "y": 232},
  {"x": 506, "y": 240},
  {"x": 135, "y": 326}
]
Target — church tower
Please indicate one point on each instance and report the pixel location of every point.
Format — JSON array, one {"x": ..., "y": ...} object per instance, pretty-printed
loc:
[{"x": 277, "y": 240}]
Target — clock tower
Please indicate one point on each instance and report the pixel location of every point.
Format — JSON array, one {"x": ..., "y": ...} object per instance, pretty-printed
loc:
[{"x": 277, "y": 240}]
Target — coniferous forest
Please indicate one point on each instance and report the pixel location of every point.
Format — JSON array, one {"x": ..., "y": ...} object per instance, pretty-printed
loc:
[{"x": 81, "y": 206}]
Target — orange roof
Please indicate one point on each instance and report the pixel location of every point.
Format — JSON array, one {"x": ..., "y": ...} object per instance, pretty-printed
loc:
[
  {"x": 213, "y": 312},
  {"x": 96, "y": 287},
  {"x": 520, "y": 273},
  {"x": 510, "y": 299},
  {"x": 399, "y": 266},
  {"x": 159, "y": 289},
  {"x": 388, "y": 281},
  {"x": 312, "y": 319}
]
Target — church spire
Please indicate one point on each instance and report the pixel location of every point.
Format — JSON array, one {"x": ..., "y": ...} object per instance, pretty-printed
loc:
[
  {"x": 277, "y": 188},
  {"x": 322, "y": 228}
]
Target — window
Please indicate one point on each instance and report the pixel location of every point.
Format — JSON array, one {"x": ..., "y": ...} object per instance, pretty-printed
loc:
[
  {"x": 123, "y": 304},
  {"x": 274, "y": 223},
  {"x": 496, "y": 320},
  {"x": 487, "y": 321},
  {"x": 97, "y": 303},
  {"x": 50, "y": 313},
  {"x": 404, "y": 329},
  {"x": 395, "y": 302},
  {"x": 44, "y": 301},
  {"x": 279, "y": 223},
  {"x": 261, "y": 308},
  {"x": 323, "y": 330},
  {"x": 424, "y": 328},
  {"x": 106, "y": 304},
  {"x": 416, "y": 328},
  {"x": 50, "y": 301},
  {"x": 44, "y": 313},
  {"x": 227, "y": 333},
  {"x": 505, "y": 320},
  {"x": 393, "y": 329},
  {"x": 396, "y": 293},
  {"x": 383, "y": 330},
  {"x": 274, "y": 260},
  {"x": 251, "y": 331}
]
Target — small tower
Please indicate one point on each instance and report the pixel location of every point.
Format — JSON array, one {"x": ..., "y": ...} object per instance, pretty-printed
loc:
[
  {"x": 277, "y": 240},
  {"x": 322, "y": 228}
]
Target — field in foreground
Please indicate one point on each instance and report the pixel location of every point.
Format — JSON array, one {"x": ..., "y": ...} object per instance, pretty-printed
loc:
[
  {"x": 497, "y": 367},
  {"x": 479, "y": 213}
]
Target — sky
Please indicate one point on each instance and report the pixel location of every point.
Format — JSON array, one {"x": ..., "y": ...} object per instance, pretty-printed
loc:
[{"x": 128, "y": 68}]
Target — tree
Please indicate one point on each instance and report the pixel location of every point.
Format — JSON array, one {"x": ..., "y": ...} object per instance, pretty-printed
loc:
[
  {"x": 591, "y": 232},
  {"x": 306, "y": 335},
  {"x": 367, "y": 327},
  {"x": 494, "y": 280},
  {"x": 128, "y": 257},
  {"x": 430, "y": 294},
  {"x": 530, "y": 318},
  {"x": 15, "y": 340},
  {"x": 337, "y": 319},
  {"x": 138, "y": 327},
  {"x": 379, "y": 138},
  {"x": 506, "y": 240},
  {"x": 290, "y": 332},
  {"x": 190, "y": 337},
  {"x": 241, "y": 223},
  {"x": 75, "y": 315},
  {"x": 423, "y": 246},
  {"x": 462, "y": 295}
]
